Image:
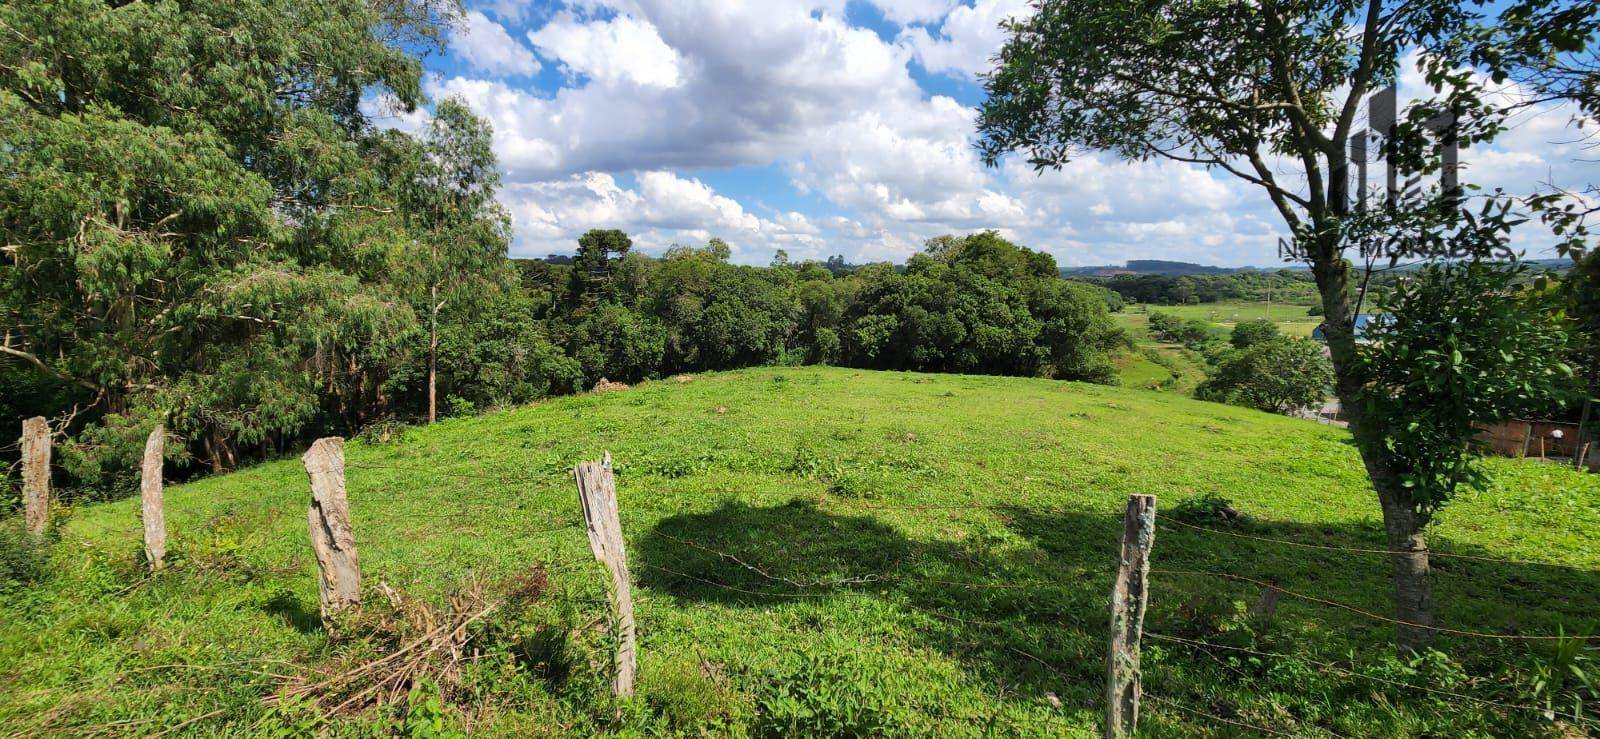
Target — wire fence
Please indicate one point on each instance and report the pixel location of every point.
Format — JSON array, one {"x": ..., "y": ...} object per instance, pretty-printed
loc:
[
  {"x": 737, "y": 566},
  {"x": 1359, "y": 550},
  {"x": 1328, "y": 666},
  {"x": 870, "y": 583}
]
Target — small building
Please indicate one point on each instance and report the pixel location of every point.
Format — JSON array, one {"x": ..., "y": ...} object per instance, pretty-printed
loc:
[{"x": 1362, "y": 323}]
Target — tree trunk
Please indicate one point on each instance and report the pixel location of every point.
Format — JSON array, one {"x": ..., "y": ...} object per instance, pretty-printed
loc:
[
  {"x": 1412, "y": 589},
  {"x": 1402, "y": 525},
  {"x": 433, "y": 356}
]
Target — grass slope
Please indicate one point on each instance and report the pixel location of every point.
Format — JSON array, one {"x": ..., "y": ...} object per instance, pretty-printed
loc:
[{"x": 847, "y": 611}]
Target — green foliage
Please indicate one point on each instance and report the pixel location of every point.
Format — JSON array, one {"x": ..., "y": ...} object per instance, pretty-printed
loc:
[
  {"x": 194, "y": 213},
  {"x": 1279, "y": 374},
  {"x": 826, "y": 695},
  {"x": 978, "y": 304},
  {"x": 618, "y": 344},
  {"x": 1582, "y": 289},
  {"x": 1461, "y": 346},
  {"x": 24, "y": 557},
  {"x": 1165, "y": 325},
  {"x": 1563, "y": 675},
  {"x": 598, "y": 252},
  {"x": 1284, "y": 286},
  {"x": 1193, "y": 333},
  {"x": 1206, "y": 508},
  {"x": 425, "y": 715},
  {"x": 1254, "y": 331}
]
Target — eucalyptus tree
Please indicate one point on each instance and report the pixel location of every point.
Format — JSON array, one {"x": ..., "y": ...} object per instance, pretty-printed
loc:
[
  {"x": 1271, "y": 92},
  {"x": 185, "y": 201},
  {"x": 460, "y": 232}
]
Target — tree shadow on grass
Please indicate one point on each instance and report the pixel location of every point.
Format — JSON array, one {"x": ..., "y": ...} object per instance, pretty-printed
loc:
[
  {"x": 1004, "y": 615},
  {"x": 1033, "y": 619},
  {"x": 288, "y": 606}
]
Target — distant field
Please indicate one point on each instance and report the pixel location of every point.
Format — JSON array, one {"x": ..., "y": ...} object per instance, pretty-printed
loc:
[
  {"x": 1182, "y": 369},
  {"x": 815, "y": 552},
  {"x": 1293, "y": 319}
]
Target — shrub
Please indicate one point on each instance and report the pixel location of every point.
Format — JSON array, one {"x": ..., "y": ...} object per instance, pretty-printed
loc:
[
  {"x": 1278, "y": 375},
  {"x": 1253, "y": 331},
  {"x": 826, "y": 347},
  {"x": 1460, "y": 345},
  {"x": 1164, "y": 325},
  {"x": 1208, "y": 507}
]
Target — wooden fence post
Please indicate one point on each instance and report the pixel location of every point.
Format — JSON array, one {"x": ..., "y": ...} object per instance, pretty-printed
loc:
[
  {"x": 332, "y": 539},
  {"x": 597, "y": 493},
  {"x": 1582, "y": 441},
  {"x": 151, "y": 509},
  {"x": 36, "y": 474},
  {"x": 1128, "y": 598}
]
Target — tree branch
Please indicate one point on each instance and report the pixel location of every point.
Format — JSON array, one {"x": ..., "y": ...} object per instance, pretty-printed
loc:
[{"x": 47, "y": 369}]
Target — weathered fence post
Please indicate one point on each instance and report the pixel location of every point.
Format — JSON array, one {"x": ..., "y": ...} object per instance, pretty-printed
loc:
[
  {"x": 1128, "y": 597},
  {"x": 332, "y": 539},
  {"x": 36, "y": 474},
  {"x": 597, "y": 493},
  {"x": 1582, "y": 441},
  {"x": 151, "y": 509}
]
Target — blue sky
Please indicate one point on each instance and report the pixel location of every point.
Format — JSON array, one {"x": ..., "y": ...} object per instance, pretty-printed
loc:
[{"x": 826, "y": 127}]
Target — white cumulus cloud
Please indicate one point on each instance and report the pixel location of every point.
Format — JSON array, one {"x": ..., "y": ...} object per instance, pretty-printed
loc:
[{"x": 487, "y": 47}]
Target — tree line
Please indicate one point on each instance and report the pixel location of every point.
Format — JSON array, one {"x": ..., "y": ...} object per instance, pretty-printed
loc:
[
  {"x": 204, "y": 225},
  {"x": 1287, "y": 286}
]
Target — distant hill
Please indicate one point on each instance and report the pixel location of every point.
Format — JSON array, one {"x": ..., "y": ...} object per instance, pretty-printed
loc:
[
  {"x": 1177, "y": 269},
  {"x": 1153, "y": 267}
]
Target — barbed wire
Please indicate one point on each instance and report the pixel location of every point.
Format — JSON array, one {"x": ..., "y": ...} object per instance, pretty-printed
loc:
[
  {"x": 1197, "y": 712},
  {"x": 858, "y": 579},
  {"x": 1203, "y": 645},
  {"x": 1360, "y": 550},
  {"x": 502, "y": 479},
  {"x": 734, "y": 588},
  {"x": 1368, "y": 614}
]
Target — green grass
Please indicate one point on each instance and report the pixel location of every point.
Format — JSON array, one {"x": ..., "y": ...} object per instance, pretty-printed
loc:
[
  {"x": 1181, "y": 370},
  {"x": 1292, "y": 319},
  {"x": 809, "y": 477},
  {"x": 1155, "y": 365}
]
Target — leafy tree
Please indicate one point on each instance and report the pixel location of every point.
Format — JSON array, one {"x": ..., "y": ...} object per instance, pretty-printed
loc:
[
  {"x": 617, "y": 343},
  {"x": 977, "y": 303},
  {"x": 1280, "y": 374},
  {"x": 1251, "y": 332},
  {"x": 718, "y": 315},
  {"x": 503, "y": 354},
  {"x": 598, "y": 251},
  {"x": 174, "y": 184},
  {"x": 1165, "y": 324},
  {"x": 1076, "y": 333},
  {"x": 1460, "y": 346},
  {"x": 1583, "y": 305},
  {"x": 449, "y": 204},
  {"x": 1239, "y": 86}
]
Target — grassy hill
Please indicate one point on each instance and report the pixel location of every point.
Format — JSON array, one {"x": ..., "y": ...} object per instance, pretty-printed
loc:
[{"x": 815, "y": 551}]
